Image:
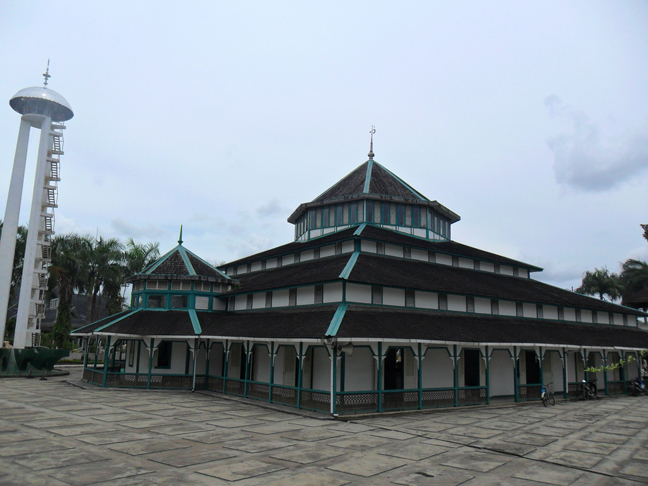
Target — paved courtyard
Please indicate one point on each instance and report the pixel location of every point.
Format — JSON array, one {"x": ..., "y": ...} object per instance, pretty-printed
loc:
[{"x": 64, "y": 432}]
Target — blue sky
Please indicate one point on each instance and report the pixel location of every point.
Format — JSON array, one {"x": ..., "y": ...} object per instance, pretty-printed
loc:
[{"x": 530, "y": 120}]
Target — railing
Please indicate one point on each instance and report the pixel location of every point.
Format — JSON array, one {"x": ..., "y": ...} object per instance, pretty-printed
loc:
[
  {"x": 473, "y": 395},
  {"x": 616, "y": 387},
  {"x": 529, "y": 392},
  {"x": 574, "y": 390}
]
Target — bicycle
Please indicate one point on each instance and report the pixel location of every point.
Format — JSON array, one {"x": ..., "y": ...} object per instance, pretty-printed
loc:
[{"x": 547, "y": 396}]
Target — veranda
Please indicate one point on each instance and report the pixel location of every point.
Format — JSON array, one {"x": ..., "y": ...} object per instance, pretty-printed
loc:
[{"x": 365, "y": 376}]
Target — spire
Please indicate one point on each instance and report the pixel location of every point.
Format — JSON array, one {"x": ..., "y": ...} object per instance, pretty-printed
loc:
[
  {"x": 180, "y": 237},
  {"x": 46, "y": 75},
  {"x": 371, "y": 152}
]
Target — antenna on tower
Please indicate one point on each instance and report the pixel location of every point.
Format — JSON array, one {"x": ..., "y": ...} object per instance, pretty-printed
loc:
[
  {"x": 46, "y": 75},
  {"x": 371, "y": 152}
]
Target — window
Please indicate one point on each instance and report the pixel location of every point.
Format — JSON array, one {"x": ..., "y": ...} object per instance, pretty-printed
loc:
[
  {"x": 496, "y": 268},
  {"x": 248, "y": 301},
  {"x": 178, "y": 285},
  {"x": 625, "y": 319},
  {"x": 539, "y": 311},
  {"x": 202, "y": 286},
  {"x": 179, "y": 301},
  {"x": 268, "y": 302},
  {"x": 156, "y": 301},
  {"x": 516, "y": 272},
  {"x": 400, "y": 215},
  {"x": 407, "y": 252},
  {"x": 380, "y": 248},
  {"x": 416, "y": 216},
  {"x": 455, "y": 261},
  {"x": 370, "y": 212},
  {"x": 494, "y": 306},
  {"x": 157, "y": 284},
  {"x": 477, "y": 265},
  {"x": 312, "y": 214},
  {"x": 326, "y": 217},
  {"x": 353, "y": 213},
  {"x": 578, "y": 315},
  {"x": 202, "y": 302},
  {"x": 470, "y": 304},
  {"x": 339, "y": 215},
  {"x": 611, "y": 318},
  {"x": 384, "y": 216},
  {"x": 409, "y": 298},
  {"x": 164, "y": 354},
  {"x": 561, "y": 313},
  {"x": 292, "y": 297},
  {"x": 443, "y": 302},
  {"x": 319, "y": 294},
  {"x": 376, "y": 294},
  {"x": 595, "y": 317},
  {"x": 519, "y": 309}
]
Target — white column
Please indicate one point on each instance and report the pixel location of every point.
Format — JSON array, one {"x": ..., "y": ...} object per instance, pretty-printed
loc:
[
  {"x": 10, "y": 223},
  {"x": 24, "y": 302}
]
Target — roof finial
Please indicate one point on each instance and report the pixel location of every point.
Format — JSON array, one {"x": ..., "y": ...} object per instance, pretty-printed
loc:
[
  {"x": 371, "y": 153},
  {"x": 180, "y": 237},
  {"x": 46, "y": 75}
]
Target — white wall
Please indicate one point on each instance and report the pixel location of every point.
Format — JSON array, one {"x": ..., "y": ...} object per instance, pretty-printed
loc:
[
  {"x": 280, "y": 298},
  {"x": 421, "y": 255},
  {"x": 506, "y": 270},
  {"x": 426, "y": 300},
  {"x": 256, "y": 266},
  {"x": 326, "y": 251},
  {"x": 288, "y": 259},
  {"x": 321, "y": 370},
  {"x": 358, "y": 293},
  {"x": 393, "y": 250},
  {"x": 271, "y": 263},
  {"x": 437, "y": 369},
  {"x": 368, "y": 246},
  {"x": 523, "y": 272},
  {"x": 393, "y": 296},
  {"x": 240, "y": 302},
  {"x": 552, "y": 370},
  {"x": 487, "y": 266},
  {"x": 502, "y": 382},
  {"x": 529, "y": 310},
  {"x": 332, "y": 292},
  {"x": 550, "y": 312},
  {"x": 261, "y": 364},
  {"x": 258, "y": 300},
  {"x": 306, "y": 255},
  {"x": 570, "y": 314},
  {"x": 482, "y": 306},
  {"x": 586, "y": 315},
  {"x": 178, "y": 360},
  {"x": 443, "y": 259},
  {"x": 305, "y": 295},
  {"x": 506, "y": 308},
  {"x": 466, "y": 263},
  {"x": 348, "y": 246},
  {"x": 457, "y": 303},
  {"x": 359, "y": 370}
]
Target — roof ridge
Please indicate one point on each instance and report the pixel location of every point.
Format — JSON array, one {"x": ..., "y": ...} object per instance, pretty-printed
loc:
[{"x": 405, "y": 184}]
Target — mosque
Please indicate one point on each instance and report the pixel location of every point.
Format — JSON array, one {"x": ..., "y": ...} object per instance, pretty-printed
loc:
[{"x": 373, "y": 307}]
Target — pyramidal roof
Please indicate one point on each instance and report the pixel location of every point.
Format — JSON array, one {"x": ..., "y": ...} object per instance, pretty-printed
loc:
[
  {"x": 181, "y": 263},
  {"x": 371, "y": 178}
]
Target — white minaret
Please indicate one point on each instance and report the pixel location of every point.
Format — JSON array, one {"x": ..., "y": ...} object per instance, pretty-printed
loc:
[{"x": 46, "y": 110}]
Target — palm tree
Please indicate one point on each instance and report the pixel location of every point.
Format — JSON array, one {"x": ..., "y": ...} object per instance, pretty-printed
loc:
[
  {"x": 600, "y": 282},
  {"x": 138, "y": 256}
]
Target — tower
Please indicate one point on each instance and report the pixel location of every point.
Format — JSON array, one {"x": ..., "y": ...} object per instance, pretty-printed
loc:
[{"x": 47, "y": 111}]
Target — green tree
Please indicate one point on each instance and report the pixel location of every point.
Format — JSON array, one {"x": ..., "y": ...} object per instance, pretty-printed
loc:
[
  {"x": 634, "y": 275},
  {"x": 601, "y": 282},
  {"x": 645, "y": 233},
  {"x": 16, "y": 277}
]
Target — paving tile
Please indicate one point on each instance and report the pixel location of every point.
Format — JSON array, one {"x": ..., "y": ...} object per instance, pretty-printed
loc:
[
  {"x": 34, "y": 446},
  {"x": 97, "y": 472},
  {"x": 351, "y": 428},
  {"x": 114, "y": 437},
  {"x": 358, "y": 442},
  {"x": 442, "y": 443},
  {"x": 474, "y": 432},
  {"x": 250, "y": 412},
  {"x": 82, "y": 429},
  {"x": 546, "y": 473},
  {"x": 308, "y": 479},
  {"x": 635, "y": 468},
  {"x": 147, "y": 423},
  {"x": 255, "y": 446},
  {"x": 14, "y": 436},
  {"x": 120, "y": 417},
  {"x": 595, "y": 447},
  {"x": 54, "y": 423},
  {"x": 390, "y": 434},
  {"x": 608, "y": 429},
  {"x": 216, "y": 436},
  {"x": 311, "y": 422},
  {"x": 431, "y": 427},
  {"x": 368, "y": 465},
  {"x": 552, "y": 431},
  {"x": 57, "y": 459},
  {"x": 236, "y": 423},
  {"x": 499, "y": 445},
  {"x": 148, "y": 446},
  {"x": 270, "y": 429},
  {"x": 642, "y": 455},
  {"x": 189, "y": 457},
  {"x": 475, "y": 462},
  {"x": 500, "y": 425},
  {"x": 573, "y": 458},
  {"x": 436, "y": 476},
  {"x": 308, "y": 455},
  {"x": 313, "y": 434},
  {"x": 182, "y": 429},
  {"x": 240, "y": 470},
  {"x": 607, "y": 438},
  {"x": 413, "y": 451}
]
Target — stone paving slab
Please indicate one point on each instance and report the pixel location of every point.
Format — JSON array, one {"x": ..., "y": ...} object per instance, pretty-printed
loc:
[
  {"x": 148, "y": 446},
  {"x": 437, "y": 476},
  {"x": 113, "y": 437},
  {"x": 252, "y": 446},
  {"x": 57, "y": 459},
  {"x": 308, "y": 479},
  {"x": 240, "y": 470},
  {"x": 95, "y": 473},
  {"x": 369, "y": 465},
  {"x": 214, "y": 436},
  {"x": 190, "y": 457},
  {"x": 308, "y": 455}
]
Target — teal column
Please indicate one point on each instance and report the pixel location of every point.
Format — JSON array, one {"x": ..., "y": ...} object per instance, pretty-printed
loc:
[
  {"x": 380, "y": 376},
  {"x": 207, "y": 356},
  {"x": 139, "y": 352},
  {"x": 300, "y": 375},
  {"x": 487, "y": 376},
  {"x": 225, "y": 360},
  {"x": 150, "y": 370},
  {"x": 565, "y": 380},
  {"x": 96, "y": 354},
  {"x": 420, "y": 376},
  {"x": 342, "y": 370},
  {"x": 106, "y": 358},
  {"x": 272, "y": 352},
  {"x": 246, "y": 350},
  {"x": 455, "y": 377},
  {"x": 584, "y": 356},
  {"x": 605, "y": 378},
  {"x": 334, "y": 394},
  {"x": 515, "y": 373},
  {"x": 541, "y": 365}
]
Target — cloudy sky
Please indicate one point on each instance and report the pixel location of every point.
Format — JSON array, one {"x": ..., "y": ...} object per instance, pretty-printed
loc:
[{"x": 528, "y": 119}]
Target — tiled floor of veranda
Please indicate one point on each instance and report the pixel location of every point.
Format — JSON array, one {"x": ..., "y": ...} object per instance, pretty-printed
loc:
[{"x": 64, "y": 432}]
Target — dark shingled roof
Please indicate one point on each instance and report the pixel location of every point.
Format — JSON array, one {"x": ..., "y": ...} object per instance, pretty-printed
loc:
[
  {"x": 380, "y": 323},
  {"x": 309, "y": 272},
  {"x": 385, "y": 183},
  {"x": 101, "y": 322},
  {"x": 295, "y": 322},
  {"x": 294, "y": 246},
  {"x": 173, "y": 265},
  {"x": 638, "y": 300},
  {"x": 396, "y": 272},
  {"x": 154, "y": 323},
  {"x": 381, "y": 234},
  {"x": 351, "y": 184}
]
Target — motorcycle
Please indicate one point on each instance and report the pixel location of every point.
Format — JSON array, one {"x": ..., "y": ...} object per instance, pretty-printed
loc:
[
  {"x": 589, "y": 390},
  {"x": 637, "y": 387}
]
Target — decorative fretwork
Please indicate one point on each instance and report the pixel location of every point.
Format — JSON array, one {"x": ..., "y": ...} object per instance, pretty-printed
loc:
[
  {"x": 616, "y": 388},
  {"x": 87, "y": 374},
  {"x": 215, "y": 383},
  {"x": 438, "y": 398},
  {"x": 258, "y": 390},
  {"x": 529, "y": 392},
  {"x": 315, "y": 400},
  {"x": 574, "y": 390},
  {"x": 473, "y": 395},
  {"x": 235, "y": 387},
  {"x": 285, "y": 395},
  {"x": 350, "y": 402},
  {"x": 400, "y": 400}
]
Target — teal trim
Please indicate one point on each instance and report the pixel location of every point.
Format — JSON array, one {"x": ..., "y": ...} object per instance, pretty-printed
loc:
[
  {"x": 359, "y": 230},
  {"x": 488, "y": 395},
  {"x": 186, "y": 261},
  {"x": 337, "y": 320},
  {"x": 368, "y": 177},
  {"x": 106, "y": 359},
  {"x": 380, "y": 376},
  {"x": 194, "y": 321},
  {"x": 300, "y": 376},
  {"x": 516, "y": 372},
  {"x": 456, "y": 377},
  {"x": 117, "y": 320},
  {"x": 150, "y": 370},
  {"x": 420, "y": 376},
  {"x": 349, "y": 266},
  {"x": 422, "y": 197},
  {"x": 334, "y": 390}
]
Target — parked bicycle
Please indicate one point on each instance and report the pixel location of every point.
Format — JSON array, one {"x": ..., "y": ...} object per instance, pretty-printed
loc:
[
  {"x": 589, "y": 390},
  {"x": 547, "y": 396}
]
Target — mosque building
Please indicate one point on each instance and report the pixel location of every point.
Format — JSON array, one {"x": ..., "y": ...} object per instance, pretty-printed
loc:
[{"x": 372, "y": 308}]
